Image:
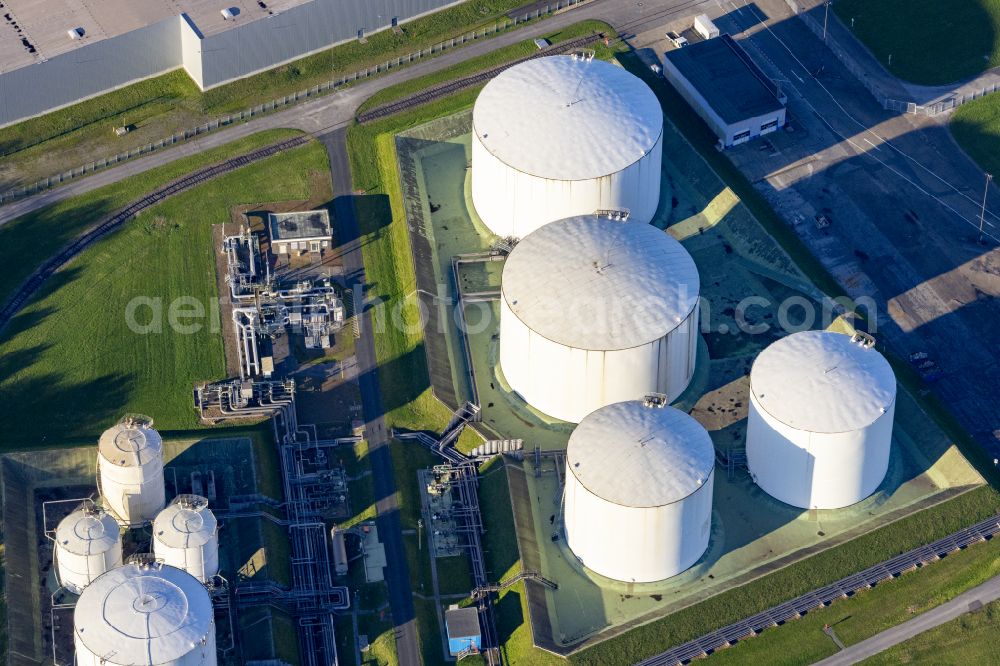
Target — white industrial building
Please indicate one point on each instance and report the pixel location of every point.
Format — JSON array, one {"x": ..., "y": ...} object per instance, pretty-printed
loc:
[
  {"x": 595, "y": 311},
  {"x": 562, "y": 136},
  {"x": 820, "y": 424},
  {"x": 144, "y": 614},
  {"x": 55, "y": 53},
  {"x": 87, "y": 544},
  {"x": 724, "y": 86},
  {"x": 130, "y": 472},
  {"x": 186, "y": 536},
  {"x": 638, "y": 495}
]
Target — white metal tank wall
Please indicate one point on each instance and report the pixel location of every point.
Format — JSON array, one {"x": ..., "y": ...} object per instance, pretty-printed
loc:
[
  {"x": 130, "y": 472},
  {"x": 594, "y": 312},
  {"x": 186, "y": 536},
  {"x": 144, "y": 614},
  {"x": 87, "y": 544},
  {"x": 638, "y": 496},
  {"x": 559, "y": 136},
  {"x": 819, "y": 432}
]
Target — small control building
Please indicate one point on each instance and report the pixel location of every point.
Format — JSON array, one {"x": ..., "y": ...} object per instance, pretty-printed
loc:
[
  {"x": 298, "y": 233},
  {"x": 464, "y": 634},
  {"x": 727, "y": 89}
]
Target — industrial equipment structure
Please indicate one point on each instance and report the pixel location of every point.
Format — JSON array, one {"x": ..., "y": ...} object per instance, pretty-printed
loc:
[
  {"x": 186, "y": 536},
  {"x": 144, "y": 614},
  {"x": 595, "y": 311},
  {"x": 820, "y": 425},
  {"x": 724, "y": 86},
  {"x": 638, "y": 494},
  {"x": 87, "y": 544},
  {"x": 561, "y": 136},
  {"x": 130, "y": 472}
]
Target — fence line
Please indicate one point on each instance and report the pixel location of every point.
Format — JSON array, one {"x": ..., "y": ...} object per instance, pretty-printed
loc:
[
  {"x": 888, "y": 103},
  {"x": 287, "y": 100}
]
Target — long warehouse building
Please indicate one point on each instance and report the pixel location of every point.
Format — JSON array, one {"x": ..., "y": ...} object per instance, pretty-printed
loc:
[{"x": 54, "y": 53}]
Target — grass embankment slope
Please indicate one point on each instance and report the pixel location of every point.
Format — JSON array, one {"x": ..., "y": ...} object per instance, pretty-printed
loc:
[
  {"x": 931, "y": 42},
  {"x": 70, "y": 361},
  {"x": 158, "y": 107}
]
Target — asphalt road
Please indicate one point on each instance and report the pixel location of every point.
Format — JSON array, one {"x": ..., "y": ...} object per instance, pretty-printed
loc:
[
  {"x": 397, "y": 575},
  {"x": 904, "y": 202},
  {"x": 960, "y": 605}
]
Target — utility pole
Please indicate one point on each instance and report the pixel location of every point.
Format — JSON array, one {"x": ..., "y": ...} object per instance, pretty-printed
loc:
[
  {"x": 420, "y": 531},
  {"x": 982, "y": 212},
  {"x": 826, "y": 15}
]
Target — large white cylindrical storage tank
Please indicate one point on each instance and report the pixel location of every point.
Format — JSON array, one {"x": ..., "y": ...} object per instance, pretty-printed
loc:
[
  {"x": 820, "y": 424},
  {"x": 562, "y": 136},
  {"x": 88, "y": 543},
  {"x": 130, "y": 472},
  {"x": 595, "y": 311},
  {"x": 638, "y": 497},
  {"x": 186, "y": 536},
  {"x": 144, "y": 614}
]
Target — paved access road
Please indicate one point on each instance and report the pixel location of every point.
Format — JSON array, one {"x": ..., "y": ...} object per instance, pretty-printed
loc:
[
  {"x": 327, "y": 114},
  {"x": 960, "y": 605}
]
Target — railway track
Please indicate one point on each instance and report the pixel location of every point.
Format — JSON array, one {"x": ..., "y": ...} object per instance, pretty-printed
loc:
[
  {"x": 458, "y": 84},
  {"x": 88, "y": 238}
]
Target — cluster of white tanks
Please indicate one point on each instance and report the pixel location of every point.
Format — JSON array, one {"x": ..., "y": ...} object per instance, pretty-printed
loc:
[
  {"x": 139, "y": 613},
  {"x": 598, "y": 309}
]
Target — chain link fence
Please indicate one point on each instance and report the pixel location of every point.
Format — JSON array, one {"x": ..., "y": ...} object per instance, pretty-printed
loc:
[{"x": 288, "y": 100}]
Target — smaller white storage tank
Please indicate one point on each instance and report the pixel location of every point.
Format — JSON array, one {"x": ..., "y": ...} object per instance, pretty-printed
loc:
[
  {"x": 87, "y": 544},
  {"x": 638, "y": 496},
  {"x": 130, "y": 472},
  {"x": 819, "y": 430},
  {"x": 144, "y": 614},
  {"x": 186, "y": 536}
]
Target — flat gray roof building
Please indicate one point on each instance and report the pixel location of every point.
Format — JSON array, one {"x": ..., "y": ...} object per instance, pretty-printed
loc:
[
  {"x": 307, "y": 230},
  {"x": 727, "y": 89}
]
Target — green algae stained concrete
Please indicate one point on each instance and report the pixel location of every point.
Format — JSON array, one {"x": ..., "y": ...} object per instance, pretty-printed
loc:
[{"x": 752, "y": 533}]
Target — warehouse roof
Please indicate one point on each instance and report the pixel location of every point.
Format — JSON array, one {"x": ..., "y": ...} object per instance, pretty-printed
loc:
[
  {"x": 45, "y": 24},
  {"x": 462, "y": 622},
  {"x": 822, "y": 381},
  {"x": 729, "y": 80},
  {"x": 593, "y": 283},
  {"x": 296, "y": 226},
  {"x": 638, "y": 455},
  {"x": 567, "y": 118}
]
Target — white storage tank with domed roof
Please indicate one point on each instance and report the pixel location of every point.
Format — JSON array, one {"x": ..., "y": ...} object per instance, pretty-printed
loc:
[
  {"x": 638, "y": 495},
  {"x": 819, "y": 432},
  {"x": 146, "y": 614},
  {"x": 87, "y": 544},
  {"x": 130, "y": 472},
  {"x": 560, "y": 136},
  {"x": 186, "y": 536},
  {"x": 595, "y": 311}
]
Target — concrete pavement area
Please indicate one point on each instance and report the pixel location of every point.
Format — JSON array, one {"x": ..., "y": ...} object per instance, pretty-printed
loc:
[
  {"x": 966, "y": 602},
  {"x": 903, "y": 203}
]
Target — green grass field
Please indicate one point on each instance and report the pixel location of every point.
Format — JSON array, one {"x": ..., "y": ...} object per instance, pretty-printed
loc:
[
  {"x": 158, "y": 107},
  {"x": 70, "y": 363},
  {"x": 931, "y": 42},
  {"x": 970, "y": 639},
  {"x": 976, "y": 127}
]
